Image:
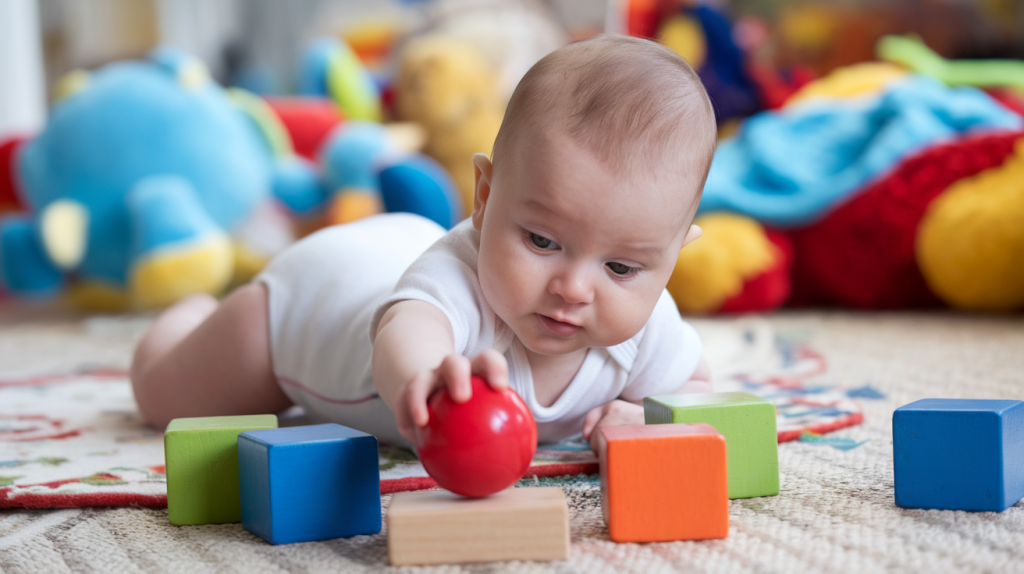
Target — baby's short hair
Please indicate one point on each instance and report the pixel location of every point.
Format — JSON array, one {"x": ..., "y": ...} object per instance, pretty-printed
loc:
[{"x": 629, "y": 101}]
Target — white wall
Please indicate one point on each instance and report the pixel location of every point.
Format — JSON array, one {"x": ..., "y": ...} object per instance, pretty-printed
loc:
[{"x": 22, "y": 99}]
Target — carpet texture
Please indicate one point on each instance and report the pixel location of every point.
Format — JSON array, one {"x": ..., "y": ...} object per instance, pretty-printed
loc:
[
  {"x": 835, "y": 512},
  {"x": 77, "y": 439}
]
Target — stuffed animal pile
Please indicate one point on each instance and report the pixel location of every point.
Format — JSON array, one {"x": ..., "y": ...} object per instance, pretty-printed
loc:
[
  {"x": 873, "y": 188},
  {"x": 150, "y": 182},
  {"x": 139, "y": 191}
]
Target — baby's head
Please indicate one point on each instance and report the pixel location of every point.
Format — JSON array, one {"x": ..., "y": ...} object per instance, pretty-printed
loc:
[{"x": 596, "y": 174}]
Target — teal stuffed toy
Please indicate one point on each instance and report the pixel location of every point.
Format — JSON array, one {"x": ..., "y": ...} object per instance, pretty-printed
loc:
[
  {"x": 148, "y": 184},
  {"x": 361, "y": 166}
]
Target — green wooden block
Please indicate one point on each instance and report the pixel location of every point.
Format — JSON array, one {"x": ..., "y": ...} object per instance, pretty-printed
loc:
[
  {"x": 201, "y": 455},
  {"x": 748, "y": 424}
]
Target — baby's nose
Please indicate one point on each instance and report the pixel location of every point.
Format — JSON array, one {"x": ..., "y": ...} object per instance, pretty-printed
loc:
[{"x": 573, "y": 286}]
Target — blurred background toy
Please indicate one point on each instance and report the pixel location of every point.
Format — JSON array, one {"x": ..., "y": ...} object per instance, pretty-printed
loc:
[
  {"x": 142, "y": 187},
  {"x": 846, "y": 130},
  {"x": 330, "y": 69},
  {"x": 916, "y": 212},
  {"x": 445, "y": 85},
  {"x": 738, "y": 265},
  {"x": 970, "y": 243},
  {"x": 704, "y": 36},
  {"x": 351, "y": 165},
  {"x": 150, "y": 183},
  {"x": 456, "y": 75}
]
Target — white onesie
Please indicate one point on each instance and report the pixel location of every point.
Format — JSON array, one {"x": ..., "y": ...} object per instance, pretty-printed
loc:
[{"x": 323, "y": 319}]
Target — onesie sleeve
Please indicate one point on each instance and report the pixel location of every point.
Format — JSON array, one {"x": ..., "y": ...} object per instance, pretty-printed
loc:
[
  {"x": 668, "y": 353},
  {"x": 445, "y": 276}
]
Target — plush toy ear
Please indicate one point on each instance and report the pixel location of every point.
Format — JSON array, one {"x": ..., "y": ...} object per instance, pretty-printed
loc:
[
  {"x": 330, "y": 68},
  {"x": 190, "y": 71},
  {"x": 312, "y": 80},
  {"x": 63, "y": 225},
  {"x": 351, "y": 86},
  {"x": 265, "y": 120},
  {"x": 70, "y": 84},
  {"x": 692, "y": 234}
]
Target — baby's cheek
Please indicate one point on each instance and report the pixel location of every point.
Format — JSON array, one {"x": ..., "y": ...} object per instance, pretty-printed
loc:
[
  {"x": 503, "y": 283},
  {"x": 623, "y": 317}
]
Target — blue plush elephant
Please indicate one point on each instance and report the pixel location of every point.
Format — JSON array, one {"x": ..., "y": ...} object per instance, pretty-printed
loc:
[{"x": 149, "y": 183}]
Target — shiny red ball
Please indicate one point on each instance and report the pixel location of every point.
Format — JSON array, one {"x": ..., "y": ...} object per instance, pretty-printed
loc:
[{"x": 478, "y": 447}]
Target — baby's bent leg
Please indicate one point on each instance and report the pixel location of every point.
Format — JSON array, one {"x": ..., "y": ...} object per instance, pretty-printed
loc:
[{"x": 203, "y": 359}]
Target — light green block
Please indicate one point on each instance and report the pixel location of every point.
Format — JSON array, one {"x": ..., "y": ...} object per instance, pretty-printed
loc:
[
  {"x": 748, "y": 424},
  {"x": 201, "y": 455}
]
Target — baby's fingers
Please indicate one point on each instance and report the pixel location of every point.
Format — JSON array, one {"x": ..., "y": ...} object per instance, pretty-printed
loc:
[
  {"x": 492, "y": 366},
  {"x": 454, "y": 374},
  {"x": 416, "y": 399},
  {"x": 593, "y": 417}
]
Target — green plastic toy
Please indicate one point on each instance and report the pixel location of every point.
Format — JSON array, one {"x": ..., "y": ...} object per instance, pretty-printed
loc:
[
  {"x": 748, "y": 424},
  {"x": 201, "y": 455},
  {"x": 912, "y": 53}
]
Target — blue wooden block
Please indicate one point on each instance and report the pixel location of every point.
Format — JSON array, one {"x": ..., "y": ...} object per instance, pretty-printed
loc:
[
  {"x": 958, "y": 454},
  {"x": 307, "y": 483}
]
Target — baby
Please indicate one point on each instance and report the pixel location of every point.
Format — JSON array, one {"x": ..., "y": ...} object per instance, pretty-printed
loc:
[{"x": 554, "y": 286}]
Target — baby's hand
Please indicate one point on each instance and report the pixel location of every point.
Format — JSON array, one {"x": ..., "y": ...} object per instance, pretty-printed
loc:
[
  {"x": 453, "y": 374},
  {"x": 617, "y": 412}
]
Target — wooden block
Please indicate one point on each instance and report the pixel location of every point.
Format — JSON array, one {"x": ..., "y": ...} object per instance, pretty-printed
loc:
[
  {"x": 959, "y": 454},
  {"x": 201, "y": 455},
  {"x": 664, "y": 482},
  {"x": 748, "y": 424},
  {"x": 307, "y": 483},
  {"x": 440, "y": 527}
]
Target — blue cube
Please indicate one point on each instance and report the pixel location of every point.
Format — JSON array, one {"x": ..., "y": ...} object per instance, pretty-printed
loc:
[
  {"x": 958, "y": 454},
  {"x": 307, "y": 483}
]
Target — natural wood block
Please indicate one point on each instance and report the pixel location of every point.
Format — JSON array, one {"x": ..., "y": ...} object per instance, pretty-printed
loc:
[
  {"x": 748, "y": 424},
  {"x": 664, "y": 482},
  {"x": 201, "y": 455},
  {"x": 440, "y": 527}
]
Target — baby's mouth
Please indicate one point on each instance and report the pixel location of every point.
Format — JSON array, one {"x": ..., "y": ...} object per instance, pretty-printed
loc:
[{"x": 556, "y": 327}]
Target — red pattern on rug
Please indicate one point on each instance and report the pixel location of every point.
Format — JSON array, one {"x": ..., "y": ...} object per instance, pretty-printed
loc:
[{"x": 76, "y": 440}]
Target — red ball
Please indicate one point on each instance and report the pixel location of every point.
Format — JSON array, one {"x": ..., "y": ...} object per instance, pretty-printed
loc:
[{"x": 478, "y": 447}]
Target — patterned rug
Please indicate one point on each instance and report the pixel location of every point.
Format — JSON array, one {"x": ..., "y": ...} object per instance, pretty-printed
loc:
[
  {"x": 834, "y": 514},
  {"x": 76, "y": 439}
]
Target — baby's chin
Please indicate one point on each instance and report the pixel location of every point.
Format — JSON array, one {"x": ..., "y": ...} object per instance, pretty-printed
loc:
[{"x": 551, "y": 345}]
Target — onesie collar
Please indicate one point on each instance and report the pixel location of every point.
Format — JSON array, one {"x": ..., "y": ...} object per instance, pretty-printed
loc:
[{"x": 625, "y": 353}]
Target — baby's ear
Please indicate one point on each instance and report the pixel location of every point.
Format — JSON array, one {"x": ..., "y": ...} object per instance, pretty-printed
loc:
[
  {"x": 692, "y": 235},
  {"x": 482, "y": 169}
]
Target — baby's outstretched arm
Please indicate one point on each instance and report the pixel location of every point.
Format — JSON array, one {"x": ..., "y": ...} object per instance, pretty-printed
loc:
[
  {"x": 622, "y": 412},
  {"x": 414, "y": 355}
]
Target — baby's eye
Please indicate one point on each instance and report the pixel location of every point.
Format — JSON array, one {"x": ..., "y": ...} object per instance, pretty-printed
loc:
[
  {"x": 620, "y": 269},
  {"x": 541, "y": 242}
]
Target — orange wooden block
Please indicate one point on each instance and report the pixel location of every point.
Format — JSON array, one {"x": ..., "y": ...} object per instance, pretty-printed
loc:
[{"x": 664, "y": 482}]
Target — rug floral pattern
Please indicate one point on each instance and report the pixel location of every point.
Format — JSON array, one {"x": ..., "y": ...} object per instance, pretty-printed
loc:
[{"x": 76, "y": 439}]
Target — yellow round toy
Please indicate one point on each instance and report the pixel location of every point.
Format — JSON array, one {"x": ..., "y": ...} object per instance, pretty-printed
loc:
[
  {"x": 970, "y": 243},
  {"x": 714, "y": 268}
]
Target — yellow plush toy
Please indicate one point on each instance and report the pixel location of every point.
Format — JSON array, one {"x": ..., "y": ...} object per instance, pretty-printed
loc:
[
  {"x": 970, "y": 243},
  {"x": 735, "y": 266},
  {"x": 445, "y": 85},
  {"x": 865, "y": 79}
]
